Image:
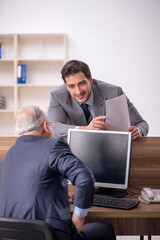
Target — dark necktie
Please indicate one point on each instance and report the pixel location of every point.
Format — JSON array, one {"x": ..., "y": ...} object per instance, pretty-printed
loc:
[{"x": 84, "y": 106}]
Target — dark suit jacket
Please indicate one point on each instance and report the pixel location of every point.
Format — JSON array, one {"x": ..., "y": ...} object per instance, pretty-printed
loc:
[
  {"x": 33, "y": 184},
  {"x": 66, "y": 112}
]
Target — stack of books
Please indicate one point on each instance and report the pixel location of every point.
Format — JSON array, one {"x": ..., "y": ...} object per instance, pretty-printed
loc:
[{"x": 2, "y": 102}]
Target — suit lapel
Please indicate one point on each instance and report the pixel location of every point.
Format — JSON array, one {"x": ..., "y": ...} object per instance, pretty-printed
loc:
[
  {"x": 74, "y": 107},
  {"x": 98, "y": 103}
]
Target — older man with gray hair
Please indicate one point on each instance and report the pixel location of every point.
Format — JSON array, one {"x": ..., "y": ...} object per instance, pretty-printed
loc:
[{"x": 33, "y": 180}]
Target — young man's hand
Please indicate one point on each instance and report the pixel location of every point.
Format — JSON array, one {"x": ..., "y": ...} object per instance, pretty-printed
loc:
[
  {"x": 135, "y": 132},
  {"x": 96, "y": 123}
]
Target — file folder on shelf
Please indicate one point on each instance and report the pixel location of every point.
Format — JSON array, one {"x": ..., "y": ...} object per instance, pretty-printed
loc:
[{"x": 21, "y": 73}]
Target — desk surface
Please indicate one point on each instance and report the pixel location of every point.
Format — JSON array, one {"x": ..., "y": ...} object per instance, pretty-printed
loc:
[
  {"x": 142, "y": 210},
  {"x": 142, "y": 220}
]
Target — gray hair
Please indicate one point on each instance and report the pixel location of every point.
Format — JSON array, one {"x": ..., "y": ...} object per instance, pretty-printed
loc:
[{"x": 29, "y": 118}]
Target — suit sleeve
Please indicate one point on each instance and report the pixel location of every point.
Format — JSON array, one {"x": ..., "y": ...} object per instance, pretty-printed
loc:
[
  {"x": 58, "y": 115},
  {"x": 135, "y": 118},
  {"x": 67, "y": 165}
]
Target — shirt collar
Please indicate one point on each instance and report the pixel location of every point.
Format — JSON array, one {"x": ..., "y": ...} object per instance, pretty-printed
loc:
[{"x": 90, "y": 100}]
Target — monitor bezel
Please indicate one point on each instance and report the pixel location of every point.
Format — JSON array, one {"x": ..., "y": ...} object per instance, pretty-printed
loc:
[{"x": 127, "y": 170}]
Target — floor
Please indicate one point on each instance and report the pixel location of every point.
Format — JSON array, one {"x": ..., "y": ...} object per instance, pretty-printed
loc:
[{"x": 136, "y": 238}]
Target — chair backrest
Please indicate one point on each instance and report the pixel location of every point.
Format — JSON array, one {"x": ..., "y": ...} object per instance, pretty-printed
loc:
[{"x": 24, "y": 229}]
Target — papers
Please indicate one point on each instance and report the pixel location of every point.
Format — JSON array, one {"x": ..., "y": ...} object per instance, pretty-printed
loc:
[{"x": 117, "y": 113}]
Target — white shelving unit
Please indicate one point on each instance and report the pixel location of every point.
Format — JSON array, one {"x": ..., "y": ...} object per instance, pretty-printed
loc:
[{"x": 44, "y": 56}]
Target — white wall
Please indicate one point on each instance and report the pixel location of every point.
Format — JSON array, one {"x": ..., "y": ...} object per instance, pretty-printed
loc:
[{"x": 118, "y": 39}]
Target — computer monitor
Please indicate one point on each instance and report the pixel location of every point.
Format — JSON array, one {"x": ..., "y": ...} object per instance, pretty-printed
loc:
[{"x": 107, "y": 154}]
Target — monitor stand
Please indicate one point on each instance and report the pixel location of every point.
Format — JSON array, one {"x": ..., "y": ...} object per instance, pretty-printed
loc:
[{"x": 111, "y": 192}]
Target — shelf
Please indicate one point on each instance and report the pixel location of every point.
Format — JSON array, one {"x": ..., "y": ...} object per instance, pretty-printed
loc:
[
  {"x": 6, "y": 72},
  {"x": 7, "y": 123},
  {"x": 44, "y": 56},
  {"x": 6, "y": 111},
  {"x": 39, "y": 46},
  {"x": 8, "y": 93},
  {"x": 7, "y": 49},
  {"x": 43, "y": 72},
  {"x": 35, "y": 86},
  {"x": 6, "y": 85},
  {"x": 40, "y": 60},
  {"x": 6, "y": 60},
  {"x": 34, "y": 96}
]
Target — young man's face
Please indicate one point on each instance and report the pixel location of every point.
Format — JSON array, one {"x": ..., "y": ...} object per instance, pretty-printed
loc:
[{"x": 79, "y": 87}]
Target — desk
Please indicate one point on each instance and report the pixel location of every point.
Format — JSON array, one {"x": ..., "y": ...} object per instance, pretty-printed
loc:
[
  {"x": 142, "y": 220},
  {"x": 144, "y": 171}
]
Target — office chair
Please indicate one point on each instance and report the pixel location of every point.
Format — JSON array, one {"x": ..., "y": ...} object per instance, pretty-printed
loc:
[{"x": 24, "y": 229}]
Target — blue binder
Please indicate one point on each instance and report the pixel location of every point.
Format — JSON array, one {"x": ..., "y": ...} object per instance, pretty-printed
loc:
[{"x": 21, "y": 73}]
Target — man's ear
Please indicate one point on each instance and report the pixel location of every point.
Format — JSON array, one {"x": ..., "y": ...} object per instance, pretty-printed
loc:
[
  {"x": 45, "y": 127},
  {"x": 91, "y": 80}
]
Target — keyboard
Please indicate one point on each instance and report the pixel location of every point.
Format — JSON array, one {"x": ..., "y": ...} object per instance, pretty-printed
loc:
[{"x": 112, "y": 202}]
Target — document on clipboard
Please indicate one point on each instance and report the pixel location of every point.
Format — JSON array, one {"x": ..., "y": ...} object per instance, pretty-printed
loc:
[{"x": 117, "y": 115}]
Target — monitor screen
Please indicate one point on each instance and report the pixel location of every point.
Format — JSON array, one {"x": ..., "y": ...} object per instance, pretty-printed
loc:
[{"x": 106, "y": 153}]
